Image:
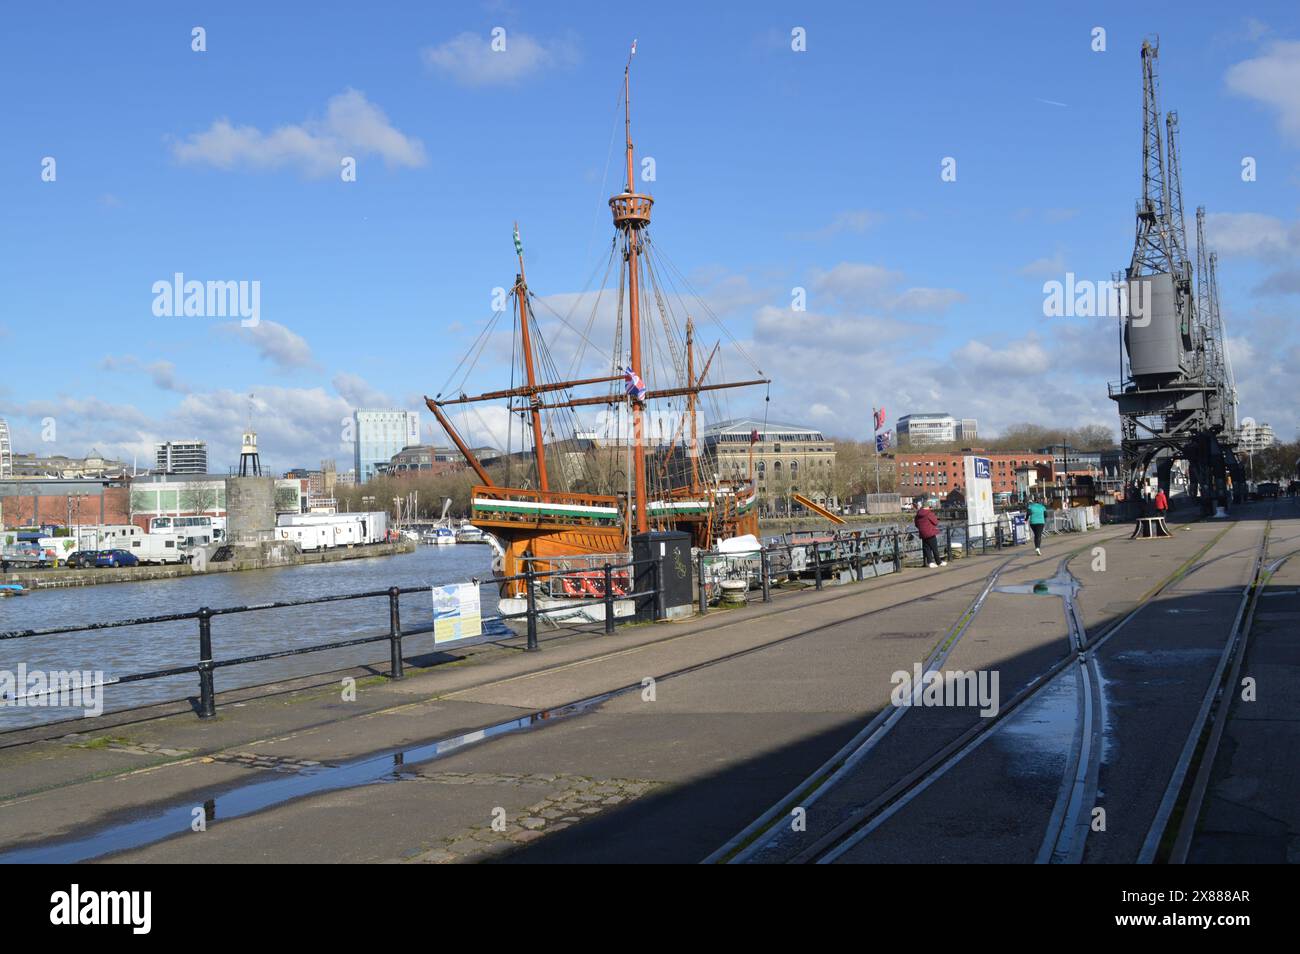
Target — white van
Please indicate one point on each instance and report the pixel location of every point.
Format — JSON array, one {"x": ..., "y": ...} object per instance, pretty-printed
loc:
[{"x": 159, "y": 548}]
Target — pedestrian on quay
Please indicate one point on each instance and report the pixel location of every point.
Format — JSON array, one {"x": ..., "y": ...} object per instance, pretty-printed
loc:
[
  {"x": 927, "y": 525},
  {"x": 1037, "y": 521},
  {"x": 1161, "y": 503}
]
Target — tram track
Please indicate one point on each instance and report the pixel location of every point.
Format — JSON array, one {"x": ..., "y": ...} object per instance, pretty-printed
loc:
[
  {"x": 756, "y": 837},
  {"x": 1066, "y": 832},
  {"x": 1172, "y": 840}
]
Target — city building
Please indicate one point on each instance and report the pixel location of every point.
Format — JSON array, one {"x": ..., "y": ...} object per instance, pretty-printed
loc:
[
  {"x": 63, "y": 502},
  {"x": 378, "y": 435},
  {"x": 181, "y": 457},
  {"x": 788, "y": 459},
  {"x": 6, "y": 451},
  {"x": 1255, "y": 438},
  {"x": 423, "y": 458},
  {"x": 1071, "y": 460},
  {"x": 938, "y": 475},
  {"x": 176, "y": 495},
  {"x": 93, "y": 465},
  {"x": 920, "y": 429}
]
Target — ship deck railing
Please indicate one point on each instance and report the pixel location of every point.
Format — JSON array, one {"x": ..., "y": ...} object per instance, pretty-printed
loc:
[{"x": 517, "y": 505}]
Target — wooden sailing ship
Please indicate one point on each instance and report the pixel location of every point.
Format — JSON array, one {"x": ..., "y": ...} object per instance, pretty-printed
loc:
[{"x": 665, "y": 485}]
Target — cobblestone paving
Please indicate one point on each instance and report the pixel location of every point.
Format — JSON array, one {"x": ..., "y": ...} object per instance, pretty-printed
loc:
[{"x": 573, "y": 798}]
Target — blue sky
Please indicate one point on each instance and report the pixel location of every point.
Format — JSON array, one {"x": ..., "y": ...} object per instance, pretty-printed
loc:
[{"x": 775, "y": 169}]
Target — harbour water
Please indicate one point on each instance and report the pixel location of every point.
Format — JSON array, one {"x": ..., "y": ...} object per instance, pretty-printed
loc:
[{"x": 134, "y": 649}]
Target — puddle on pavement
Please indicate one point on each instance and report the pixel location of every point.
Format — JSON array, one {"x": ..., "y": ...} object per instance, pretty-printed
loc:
[
  {"x": 1063, "y": 585},
  {"x": 1039, "y": 736},
  {"x": 256, "y": 796}
]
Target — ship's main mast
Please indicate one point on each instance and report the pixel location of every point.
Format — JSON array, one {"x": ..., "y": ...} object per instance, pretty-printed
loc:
[{"x": 631, "y": 214}]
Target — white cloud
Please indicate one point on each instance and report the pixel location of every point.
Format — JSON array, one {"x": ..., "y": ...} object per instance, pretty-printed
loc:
[
  {"x": 1272, "y": 78},
  {"x": 162, "y": 373},
  {"x": 1250, "y": 234},
  {"x": 284, "y": 348},
  {"x": 856, "y": 285},
  {"x": 1026, "y": 358},
  {"x": 1044, "y": 267},
  {"x": 353, "y": 126},
  {"x": 851, "y": 220},
  {"x": 470, "y": 60},
  {"x": 357, "y": 391}
]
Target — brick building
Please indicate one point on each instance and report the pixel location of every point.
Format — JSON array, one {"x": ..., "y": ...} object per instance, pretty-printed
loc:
[
  {"x": 33, "y": 503},
  {"x": 942, "y": 473}
]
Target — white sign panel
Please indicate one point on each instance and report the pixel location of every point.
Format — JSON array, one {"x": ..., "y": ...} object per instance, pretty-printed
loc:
[
  {"x": 979, "y": 496},
  {"x": 456, "y": 613}
]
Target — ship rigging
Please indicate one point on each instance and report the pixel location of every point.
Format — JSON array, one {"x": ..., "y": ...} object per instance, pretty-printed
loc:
[{"x": 580, "y": 497}]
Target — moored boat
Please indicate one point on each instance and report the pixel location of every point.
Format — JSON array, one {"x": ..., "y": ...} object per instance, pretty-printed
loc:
[{"x": 580, "y": 500}]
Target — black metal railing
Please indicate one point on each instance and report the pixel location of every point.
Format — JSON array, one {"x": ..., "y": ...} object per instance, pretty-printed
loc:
[
  {"x": 207, "y": 666},
  {"x": 861, "y": 554}
]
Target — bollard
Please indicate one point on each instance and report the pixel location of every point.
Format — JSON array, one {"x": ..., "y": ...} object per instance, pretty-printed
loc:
[
  {"x": 394, "y": 634},
  {"x": 984, "y": 538},
  {"x": 609, "y": 599},
  {"x": 817, "y": 565},
  {"x": 704, "y": 597},
  {"x": 532, "y": 608},
  {"x": 765, "y": 574},
  {"x": 948, "y": 542},
  {"x": 207, "y": 698},
  {"x": 857, "y": 555},
  {"x": 898, "y": 556}
]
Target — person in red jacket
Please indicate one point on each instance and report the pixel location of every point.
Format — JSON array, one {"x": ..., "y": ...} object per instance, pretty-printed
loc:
[
  {"x": 1162, "y": 503},
  {"x": 927, "y": 525}
]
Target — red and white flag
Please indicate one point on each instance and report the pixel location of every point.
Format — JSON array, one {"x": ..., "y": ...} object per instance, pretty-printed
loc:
[
  {"x": 879, "y": 419},
  {"x": 634, "y": 386}
]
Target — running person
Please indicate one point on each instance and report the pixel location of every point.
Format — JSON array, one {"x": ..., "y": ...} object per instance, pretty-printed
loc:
[{"x": 1037, "y": 520}]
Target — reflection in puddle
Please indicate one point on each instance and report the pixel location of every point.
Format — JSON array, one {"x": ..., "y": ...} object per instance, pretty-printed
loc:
[
  {"x": 1040, "y": 735},
  {"x": 256, "y": 796}
]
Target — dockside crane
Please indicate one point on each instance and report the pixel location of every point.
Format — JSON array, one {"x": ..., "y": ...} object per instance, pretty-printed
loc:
[{"x": 1173, "y": 401}]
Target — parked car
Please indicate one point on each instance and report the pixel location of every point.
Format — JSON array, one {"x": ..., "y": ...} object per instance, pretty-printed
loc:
[
  {"x": 82, "y": 558},
  {"x": 116, "y": 558}
]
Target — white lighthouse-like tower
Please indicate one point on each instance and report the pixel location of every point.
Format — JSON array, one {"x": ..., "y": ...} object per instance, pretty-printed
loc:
[{"x": 250, "y": 465}]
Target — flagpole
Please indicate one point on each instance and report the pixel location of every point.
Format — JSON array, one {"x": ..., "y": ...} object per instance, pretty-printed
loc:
[{"x": 875, "y": 440}]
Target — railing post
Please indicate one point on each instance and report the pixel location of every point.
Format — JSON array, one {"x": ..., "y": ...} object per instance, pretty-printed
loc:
[
  {"x": 817, "y": 565},
  {"x": 765, "y": 574},
  {"x": 531, "y": 598},
  {"x": 898, "y": 555},
  {"x": 704, "y": 596},
  {"x": 394, "y": 634},
  {"x": 857, "y": 555},
  {"x": 609, "y": 599},
  {"x": 948, "y": 542},
  {"x": 207, "y": 697},
  {"x": 984, "y": 538},
  {"x": 654, "y": 574}
]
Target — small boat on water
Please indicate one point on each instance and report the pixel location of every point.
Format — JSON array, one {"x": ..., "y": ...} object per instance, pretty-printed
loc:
[
  {"x": 470, "y": 534},
  {"x": 13, "y": 589},
  {"x": 440, "y": 536}
]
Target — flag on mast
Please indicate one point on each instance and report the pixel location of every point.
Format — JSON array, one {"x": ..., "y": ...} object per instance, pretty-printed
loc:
[
  {"x": 519, "y": 245},
  {"x": 634, "y": 47},
  {"x": 879, "y": 418},
  {"x": 883, "y": 441},
  {"x": 634, "y": 386}
]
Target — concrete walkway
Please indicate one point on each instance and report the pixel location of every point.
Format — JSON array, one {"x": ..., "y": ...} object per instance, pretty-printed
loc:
[{"x": 726, "y": 713}]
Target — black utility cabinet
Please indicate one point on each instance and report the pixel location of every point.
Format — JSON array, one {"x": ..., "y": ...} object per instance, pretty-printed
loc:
[{"x": 670, "y": 551}]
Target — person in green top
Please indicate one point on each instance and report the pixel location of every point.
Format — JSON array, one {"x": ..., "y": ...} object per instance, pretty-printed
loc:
[{"x": 1037, "y": 518}]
